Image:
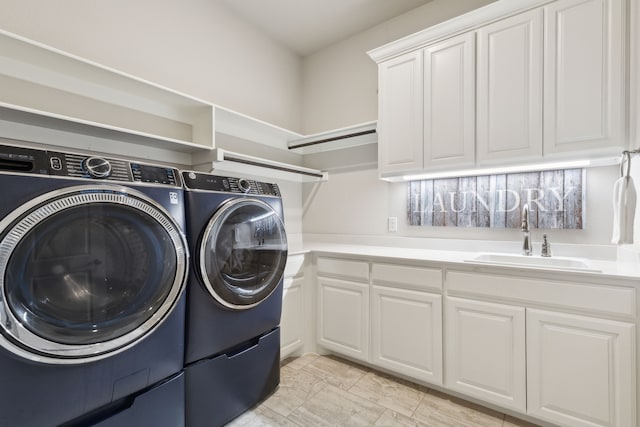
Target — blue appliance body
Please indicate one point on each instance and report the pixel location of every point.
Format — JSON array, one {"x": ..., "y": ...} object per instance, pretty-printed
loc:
[
  {"x": 232, "y": 347},
  {"x": 161, "y": 405},
  {"x": 65, "y": 280}
]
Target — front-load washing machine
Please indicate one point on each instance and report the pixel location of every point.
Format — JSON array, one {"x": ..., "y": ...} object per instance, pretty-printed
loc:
[
  {"x": 237, "y": 238},
  {"x": 93, "y": 262}
]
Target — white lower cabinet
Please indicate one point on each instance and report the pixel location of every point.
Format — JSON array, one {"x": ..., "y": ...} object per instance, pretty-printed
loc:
[
  {"x": 580, "y": 370},
  {"x": 293, "y": 318},
  {"x": 552, "y": 364},
  {"x": 485, "y": 352},
  {"x": 406, "y": 334},
  {"x": 292, "y": 321},
  {"x": 559, "y": 350},
  {"x": 343, "y": 317},
  {"x": 386, "y": 314}
]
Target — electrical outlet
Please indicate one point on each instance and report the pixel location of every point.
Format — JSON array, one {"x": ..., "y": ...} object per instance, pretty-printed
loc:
[{"x": 393, "y": 224}]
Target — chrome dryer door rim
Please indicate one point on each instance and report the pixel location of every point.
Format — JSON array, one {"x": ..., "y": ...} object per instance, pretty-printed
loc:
[
  {"x": 261, "y": 244},
  {"x": 15, "y": 334}
]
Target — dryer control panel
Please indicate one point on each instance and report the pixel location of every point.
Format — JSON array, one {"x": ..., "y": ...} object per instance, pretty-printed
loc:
[{"x": 224, "y": 184}]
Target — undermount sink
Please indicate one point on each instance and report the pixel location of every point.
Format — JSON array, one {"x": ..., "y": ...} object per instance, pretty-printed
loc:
[{"x": 555, "y": 263}]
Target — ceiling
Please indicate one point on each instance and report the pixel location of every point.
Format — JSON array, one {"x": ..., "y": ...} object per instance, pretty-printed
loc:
[{"x": 306, "y": 26}]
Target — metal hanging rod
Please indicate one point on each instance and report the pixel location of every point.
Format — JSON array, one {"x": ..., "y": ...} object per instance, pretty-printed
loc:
[
  {"x": 335, "y": 138},
  {"x": 225, "y": 159}
]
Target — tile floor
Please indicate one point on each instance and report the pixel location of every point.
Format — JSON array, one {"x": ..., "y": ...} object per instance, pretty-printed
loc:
[{"x": 329, "y": 391}]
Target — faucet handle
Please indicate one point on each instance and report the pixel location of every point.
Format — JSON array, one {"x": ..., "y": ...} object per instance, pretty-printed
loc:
[
  {"x": 546, "y": 247},
  {"x": 524, "y": 226}
]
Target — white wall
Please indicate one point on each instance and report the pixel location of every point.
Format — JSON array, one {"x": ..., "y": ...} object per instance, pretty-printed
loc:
[
  {"x": 635, "y": 108},
  {"x": 340, "y": 82},
  {"x": 194, "y": 46},
  {"x": 357, "y": 203}
]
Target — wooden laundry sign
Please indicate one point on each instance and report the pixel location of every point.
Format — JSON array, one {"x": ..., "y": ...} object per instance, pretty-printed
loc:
[{"x": 555, "y": 198}]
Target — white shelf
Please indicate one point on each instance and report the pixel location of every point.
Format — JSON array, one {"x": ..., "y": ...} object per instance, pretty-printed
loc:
[
  {"x": 229, "y": 161},
  {"x": 65, "y": 92},
  {"x": 47, "y": 94},
  {"x": 351, "y": 136},
  {"x": 241, "y": 126}
]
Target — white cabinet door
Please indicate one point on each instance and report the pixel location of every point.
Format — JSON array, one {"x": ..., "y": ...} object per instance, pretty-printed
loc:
[
  {"x": 400, "y": 114},
  {"x": 580, "y": 370},
  {"x": 449, "y": 103},
  {"x": 509, "y": 108},
  {"x": 406, "y": 334},
  {"x": 584, "y": 76},
  {"x": 485, "y": 351},
  {"x": 292, "y": 321},
  {"x": 343, "y": 317}
]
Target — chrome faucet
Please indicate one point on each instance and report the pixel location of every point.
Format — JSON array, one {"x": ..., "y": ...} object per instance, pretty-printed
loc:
[{"x": 526, "y": 243}]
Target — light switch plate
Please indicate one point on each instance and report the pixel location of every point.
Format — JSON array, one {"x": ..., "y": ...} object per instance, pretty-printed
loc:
[{"x": 393, "y": 224}]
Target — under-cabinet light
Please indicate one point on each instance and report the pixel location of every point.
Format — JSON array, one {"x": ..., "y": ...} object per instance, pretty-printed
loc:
[{"x": 505, "y": 169}]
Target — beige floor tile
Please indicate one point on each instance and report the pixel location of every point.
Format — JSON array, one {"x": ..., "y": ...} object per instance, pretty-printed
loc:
[
  {"x": 333, "y": 406},
  {"x": 442, "y": 410},
  {"x": 399, "y": 396},
  {"x": 510, "y": 421},
  {"x": 393, "y": 419},
  {"x": 300, "y": 362},
  {"x": 296, "y": 387},
  {"x": 262, "y": 417},
  {"x": 329, "y": 391},
  {"x": 337, "y": 372}
]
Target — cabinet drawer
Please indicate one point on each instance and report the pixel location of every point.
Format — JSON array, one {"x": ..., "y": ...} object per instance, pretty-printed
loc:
[
  {"x": 358, "y": 270},
  {"x": 594, "y": 298},
  {"x": 405, "y": 276}
]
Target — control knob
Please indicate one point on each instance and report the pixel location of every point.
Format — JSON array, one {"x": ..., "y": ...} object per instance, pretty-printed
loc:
[
  {"x": 244, "y": 185},
  {"x": 97, "y": 167}
]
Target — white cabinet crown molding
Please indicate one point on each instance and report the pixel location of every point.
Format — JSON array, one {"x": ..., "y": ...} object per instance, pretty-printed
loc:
[{"x": 463, "y": 23}]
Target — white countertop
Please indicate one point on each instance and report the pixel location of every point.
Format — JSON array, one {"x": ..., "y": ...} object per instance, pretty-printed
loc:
[{"x": 598, "y": 267}]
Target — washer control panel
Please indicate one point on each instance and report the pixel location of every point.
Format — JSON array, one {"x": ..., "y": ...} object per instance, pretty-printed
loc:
[
  {"x": 224, "y": 184},
  {"x": 34, "y": 161},
  {"x": 154, "y": 174},
  {"x": 23, "y": 160}
]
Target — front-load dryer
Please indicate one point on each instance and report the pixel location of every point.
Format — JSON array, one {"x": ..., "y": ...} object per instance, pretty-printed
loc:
[
  {"x": 238, "y": 243},
  {"x": 93, "y": 262}
]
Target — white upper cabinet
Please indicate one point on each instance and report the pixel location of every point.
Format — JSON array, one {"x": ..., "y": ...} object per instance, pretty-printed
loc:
[
  {"x": 584, "y": 76},
  {"x": 400, "y": 113},
  {"x": 548, "y": 82},
  {"x": 509, "y": 107},
  {"x": 449, "y": 96}
]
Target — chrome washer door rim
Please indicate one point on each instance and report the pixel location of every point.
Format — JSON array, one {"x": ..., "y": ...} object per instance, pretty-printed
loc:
[{"x": 21, "y": 341}]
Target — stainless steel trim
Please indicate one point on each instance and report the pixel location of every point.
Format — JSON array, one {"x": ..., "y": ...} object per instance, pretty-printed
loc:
[
  {"x": 213, "y": 226},
  {"x": 196, "y": 190},
  {"x": 22, "y": 342},
  {"x": 107, "y": 181}
]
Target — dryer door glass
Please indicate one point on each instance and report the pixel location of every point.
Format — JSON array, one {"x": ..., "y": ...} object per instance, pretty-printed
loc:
[
  {"x": 243, "y": 253},
  {"x": 89, "y": 272}
]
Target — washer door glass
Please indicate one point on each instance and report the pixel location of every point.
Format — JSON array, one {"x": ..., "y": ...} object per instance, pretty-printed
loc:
[
  {"x": 87, "y": 272},
  {"x": 243, "y": 253}
]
